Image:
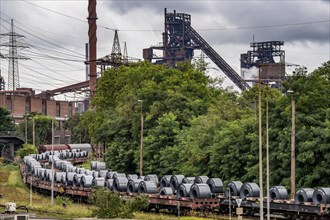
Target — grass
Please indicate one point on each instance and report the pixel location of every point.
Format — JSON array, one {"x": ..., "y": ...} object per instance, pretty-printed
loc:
[{"x": 13, "y": 189}]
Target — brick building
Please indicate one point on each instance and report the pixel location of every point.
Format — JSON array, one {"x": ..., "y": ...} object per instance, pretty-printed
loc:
[{"x": 24, "y": 100}]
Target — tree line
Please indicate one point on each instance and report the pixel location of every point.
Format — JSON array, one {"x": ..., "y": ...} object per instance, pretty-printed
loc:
[{"x": 194, "y": 126}]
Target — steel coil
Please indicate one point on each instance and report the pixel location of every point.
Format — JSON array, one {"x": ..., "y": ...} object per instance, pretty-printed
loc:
[
  {"x": 63, "y": 180},
  {"x": 47, "y": 174},
  {"x": 278, "y": 193},
  {"x": 165, "y": 181},
  {"x": 35, "y": 169},
  {"x": 77, "y": 179},
  {"x": 41, "y": 172},
  {"x": 233, "y": 188},
  {"x": 147, "y": 187},
  {"x": 249, "y": 190},
  {"x": 88, "y": 172},
  {"x": 188, "y": 180},
  {"x": 321, "y": 196},
  {"x": 151, "y": 177},
  {"x": 304, "y": 195},
  {"x": 116, "y": 175},
  {"x": 80, "y": 170},
  {"x": 166, "y": 191},
  {"x": 215, "y": 184},
  {"x": 110, "y": 174},
  {"x": 200, "y": 191},
  {"x": 58, "y": 176},
  {"x": 201, "y": 179},
  {"x": 98, "y": 182},
  {"x": 97, "y": 165},
  {"x": 109, "y": 184},
  {"x": 69, "y": 178},
  {"x": 86, "y": 181},
  {"x": 132, "y": 185},
  {"x": 132, "y": 176},
  {"x": 103, "y": 173},
  {"x": 183, "y": 190},
  {"x": 175, "y": 181},
  {"x": 120, "y": 184}
]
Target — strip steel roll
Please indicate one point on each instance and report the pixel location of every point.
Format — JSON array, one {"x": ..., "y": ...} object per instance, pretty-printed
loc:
[
  {"x": 278, "y": 193},
  {"x": 110, "y": 174},
  {"x": 166, "y": 191},
  {"x": 69, "y": 178},
  {"x": 77, "y": 179},
  {"x": 234, "y": 188},
  {"x": 120, "y": 184},
  {"x": 200, "y": 191},
  {"x": 188, "y": 180},
  {"x": 132, "y": 176},
  {"x": 116, "y": 175},
  {"x": 58, "y": 176},
  {"x": 103, "y": 173},
  {"x": 109, "y": 184},
  {"x": 183, "y": 190},
  {"x": 304, "y": 195},
  {"x": 98, "y": 182},
  {"x": 175, "y": 181},
  {"x": 151, "y": 177},
  {"x": 215, "y": 185},
  {"x": 148, "y": 187},
  {"x": 201, "y": 179},
  {"x": 321, "y": 196},
  {"x": 86, "y": 181},
  {"x": 249, "y": 190},
  {"x": 133, "y": 184},
  {"x": 165, "y": 181}
]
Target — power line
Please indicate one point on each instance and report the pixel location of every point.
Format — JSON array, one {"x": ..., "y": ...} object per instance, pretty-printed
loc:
[{"x": 206, "y": 29}]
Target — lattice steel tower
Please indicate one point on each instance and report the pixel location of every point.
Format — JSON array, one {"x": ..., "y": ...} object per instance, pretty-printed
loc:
[{"x": 13, "y": 57}]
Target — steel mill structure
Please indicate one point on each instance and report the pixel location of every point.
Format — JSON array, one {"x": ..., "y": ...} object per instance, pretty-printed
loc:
[
  {"x": 180, "y": 40},
  {"x": 269, "y": 57}
]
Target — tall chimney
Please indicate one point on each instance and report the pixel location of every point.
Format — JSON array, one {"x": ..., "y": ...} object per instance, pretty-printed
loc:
[{"x": 92, "y": 17}]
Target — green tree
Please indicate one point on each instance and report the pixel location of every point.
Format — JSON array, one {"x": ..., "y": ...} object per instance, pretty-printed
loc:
[
  {"x": 79, "y": 132},
  {"x": 26, "y": 150},
  {"x": 184, "y": 91},
  {"x": 43, "y": 128},
  {"x": 160, "y": 146},
  {"x": 6, "y": 121}
]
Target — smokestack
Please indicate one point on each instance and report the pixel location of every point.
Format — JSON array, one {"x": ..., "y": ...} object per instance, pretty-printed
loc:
[{"x": 92, "y": 17}]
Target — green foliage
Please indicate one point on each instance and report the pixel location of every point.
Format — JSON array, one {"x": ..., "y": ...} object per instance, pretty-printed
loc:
[
  {"x": 6, "y": 122},
  {"x": 79, "y": 132},
  {"x": 111, "y": 205},
  {"x": 43, "y": 128},
  {"x": 26, "y": 150},
  {"x": 63, "y": 201},
  {"x": 195, "y": 127}
]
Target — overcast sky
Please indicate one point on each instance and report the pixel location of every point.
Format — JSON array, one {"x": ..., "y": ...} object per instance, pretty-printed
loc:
[{"x": 56, "y": 31}]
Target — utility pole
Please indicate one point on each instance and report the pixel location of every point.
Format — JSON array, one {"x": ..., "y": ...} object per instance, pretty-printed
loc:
[
  {"x": 267, "y": 156},
  {"x": 33, "y": 132},
  {"x": 260, "y": 151},
  {"x": 52, "y": 186},
  {"x": 141, "y": 141},
  {"x": 293, "y": 147},
  {"x": 25, "y": 121}
]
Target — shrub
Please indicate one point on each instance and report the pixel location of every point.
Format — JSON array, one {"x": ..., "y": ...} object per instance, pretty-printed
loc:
[
  {"x": 111, "y": 205},
  {"x": 26, "y": 150}
]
